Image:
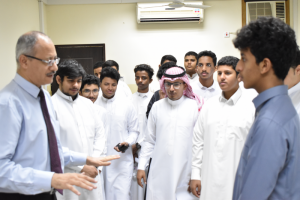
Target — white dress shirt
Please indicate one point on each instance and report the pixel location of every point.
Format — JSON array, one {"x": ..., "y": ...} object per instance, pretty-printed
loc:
[
  {"x": 294, "y": 93},
  {"x": 24, "y": 148},
  {"x": 81, "y": 130},
  {"x": 122, "y": 125},
  {"x": 205, "y": 92},
  {"x": 140, "y": 102},
  {"x": 219, "y": 137},
  {"x": 194, "y": 78},
  {"x": 168, "y": 141}
]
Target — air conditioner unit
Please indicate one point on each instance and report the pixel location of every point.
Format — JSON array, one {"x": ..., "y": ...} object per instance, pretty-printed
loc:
[
  {"x": 264, "y": 9},
  {"x": 160, "y": 13}
]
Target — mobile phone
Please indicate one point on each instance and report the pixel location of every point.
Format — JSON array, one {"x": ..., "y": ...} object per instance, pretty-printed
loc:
[{"x": 122, "y": 148}]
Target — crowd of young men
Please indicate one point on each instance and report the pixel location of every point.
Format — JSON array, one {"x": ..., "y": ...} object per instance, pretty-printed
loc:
[{"x": 185, "y": 137}]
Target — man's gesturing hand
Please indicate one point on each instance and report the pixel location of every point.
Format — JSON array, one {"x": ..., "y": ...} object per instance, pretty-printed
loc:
[
  {"x": 101, "y": 161},
  {"x": 195, "y": 186},
  {"x": 67, "y": 181},
  {"x": 90, "y": 171},
  {"x": 141, "y": 175}
]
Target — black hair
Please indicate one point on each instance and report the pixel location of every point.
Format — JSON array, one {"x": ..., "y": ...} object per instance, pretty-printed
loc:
[
  {"x": 210, "y": 54},
  {"x": 110, "y": 63},
  {"x": 145, "y": 67},
  {"x": 71, "y": 69},
  {"x": 168, "y": 57},
  {"x": 271, "y": 38},
  {"x": 191, "y": 53},
  {"x": 110, "y": 73},
  {"x": 163, "y": 68},
  {"x": 296, "y": 60},
  {"x": 98, "y": 64},
  {"x": 89, "y": 80},
  {"x": 230, "y": 61}
]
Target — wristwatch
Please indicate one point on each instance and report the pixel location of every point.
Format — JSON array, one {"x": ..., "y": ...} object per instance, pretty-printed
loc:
[{"x": 138, "y": 146}]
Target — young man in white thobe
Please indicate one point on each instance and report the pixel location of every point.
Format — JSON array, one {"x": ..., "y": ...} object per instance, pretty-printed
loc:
[
  {"x": 123, "y": 89},
  {"x": 219, "y": 136},
  {"x": 140, "y": 100},
  {"x": 190, "y": 65},
  {"x": 81, "y": 129},
  {"x": 206, "y": 86},
  {"x": 292, "y": 80},
  {"x": 122, "y": 128},
  {"x": 168, "y": 139},
  {"x": 90, "y": 89}
]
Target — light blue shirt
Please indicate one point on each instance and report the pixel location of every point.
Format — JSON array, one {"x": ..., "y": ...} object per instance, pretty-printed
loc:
[
  {"x": 24, "y": 150},
  {"x": 269, "y": 167}
]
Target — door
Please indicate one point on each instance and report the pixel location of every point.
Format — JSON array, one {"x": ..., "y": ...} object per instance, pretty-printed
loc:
[{"x": 86, "y": 54}]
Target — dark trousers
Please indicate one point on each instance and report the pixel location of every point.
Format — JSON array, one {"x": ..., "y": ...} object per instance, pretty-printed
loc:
[{"x": 16, "y": 196}]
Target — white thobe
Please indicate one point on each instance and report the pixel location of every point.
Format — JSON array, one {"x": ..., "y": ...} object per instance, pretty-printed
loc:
[
  {"x": 121, "y": 125},
  {"x": 205, "y": 92},
  {"x": 140, "y": 102},
  {"x": 219, "y": 137},
  {"x": 194, "y": 78},
  {"x": 294, "y": 94},
  {"x": 168, "y": 141},
  {"x": 81, "y": 130}
]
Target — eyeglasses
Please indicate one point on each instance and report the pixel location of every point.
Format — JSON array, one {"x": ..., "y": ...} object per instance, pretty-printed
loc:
[
  {"x": 87, "y": 91},
  {"x": 175, "y": 85},
  {"x": 48, "y": 62}
]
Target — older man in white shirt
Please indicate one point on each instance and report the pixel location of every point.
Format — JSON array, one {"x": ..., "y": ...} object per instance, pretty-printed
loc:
[
  {"x": 80, "y": 126},
  {"x": 219, "y": 136},
  {"x": 140, "y": 100},
  {"x": 122, "y": 130},
  {"x": 206, "y": 87},
  {"x": 168, "y": 139},
  {"x": 292, "y": 80}
]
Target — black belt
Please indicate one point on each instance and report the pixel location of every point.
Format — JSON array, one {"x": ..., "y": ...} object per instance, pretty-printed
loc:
[{"x": 17, "y": 196}]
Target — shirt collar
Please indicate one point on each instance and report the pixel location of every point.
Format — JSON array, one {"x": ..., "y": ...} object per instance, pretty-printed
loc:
[
  {"x": 233, "y": 99},
  {"x": 211, "y": 88},
  {"x": 143, "y": 94},
  {"x": 268, "y": 94},
  {"x": 175, "y": 102},
  {"x": 294, "y": 89},
  {"x": 192, "y": 77},
  {"x": 66, "y": 97},
  {"x": 32, "y": 89}
]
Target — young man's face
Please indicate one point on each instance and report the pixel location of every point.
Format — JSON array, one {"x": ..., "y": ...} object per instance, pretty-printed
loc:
[
  {"x": 190, "y": 64},
  {"x": 108, "y": 87},
  {"x": 69, "y": 87},
  {"x": 248, "y": 68},
  {"x": 206, "y": 67},
  {"x": 142, "y": 80},
  {"x": 90, "y": 91},
  {"x": 293, "y": 77},
  {"x": 175, "y": 88},
  {"x": 227, "y": 78},
  {"x": 97, "y": 72}
]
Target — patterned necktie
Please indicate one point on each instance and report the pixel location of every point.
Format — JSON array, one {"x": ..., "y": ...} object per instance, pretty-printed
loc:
[{"x": 54, "y": 155}]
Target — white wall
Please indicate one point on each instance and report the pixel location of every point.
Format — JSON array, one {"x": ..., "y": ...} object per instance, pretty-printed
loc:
[
  {"x": 16, "y": 18},
  {"x": 130, "y": 43}
]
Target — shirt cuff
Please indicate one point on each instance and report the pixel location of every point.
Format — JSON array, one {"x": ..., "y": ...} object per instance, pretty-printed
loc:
[
  {"x": 77, "y": 158},
  {"x": 142, "y": 164},
  {"x": 196, "y": 174},
  {"x": 42, "y": 179}
]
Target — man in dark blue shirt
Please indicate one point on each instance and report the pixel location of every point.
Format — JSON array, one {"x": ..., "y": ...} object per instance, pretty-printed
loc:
[{"x": 269, "y": 167}]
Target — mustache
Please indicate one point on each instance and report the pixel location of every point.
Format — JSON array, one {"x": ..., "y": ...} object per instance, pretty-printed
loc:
[{"x": 51, "y": 73}]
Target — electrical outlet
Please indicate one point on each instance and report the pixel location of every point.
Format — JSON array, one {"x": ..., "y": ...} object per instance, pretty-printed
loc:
[{"x": 226, "y": 34}]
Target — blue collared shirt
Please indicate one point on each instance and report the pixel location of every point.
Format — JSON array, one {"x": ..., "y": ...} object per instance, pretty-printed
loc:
[
  {"x": 269, "y": 167},
  {"x": 24, "y": 149}
]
